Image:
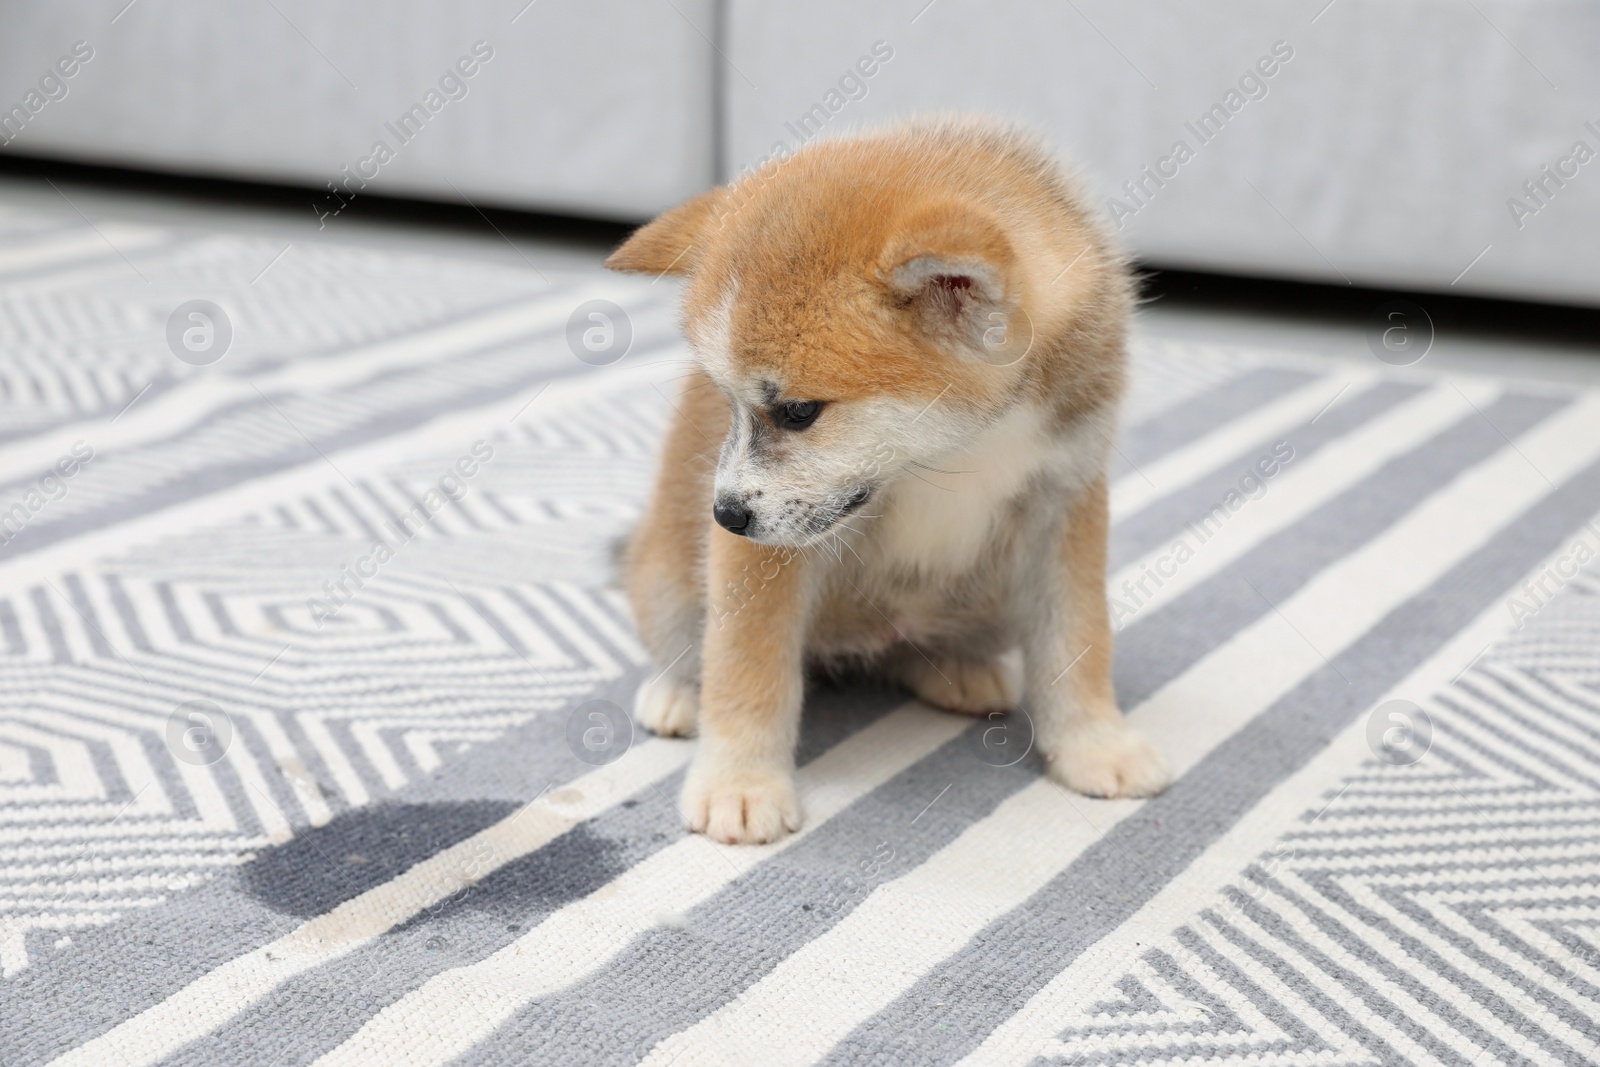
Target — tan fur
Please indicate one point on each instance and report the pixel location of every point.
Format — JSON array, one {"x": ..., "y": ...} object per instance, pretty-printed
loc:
[{"x": 961, "y": 318}]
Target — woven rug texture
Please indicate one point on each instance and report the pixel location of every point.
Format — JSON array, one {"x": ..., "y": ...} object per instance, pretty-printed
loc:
[{"x": 313, "y": 745}]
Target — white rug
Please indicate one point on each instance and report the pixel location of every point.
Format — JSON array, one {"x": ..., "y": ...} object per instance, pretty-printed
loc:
[{"x": 385, "y": 838}]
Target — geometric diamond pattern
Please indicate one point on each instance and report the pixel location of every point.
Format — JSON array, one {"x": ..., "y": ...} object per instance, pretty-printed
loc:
[
  {"x": 1445, "y": 911},
  {"x": 469, "y": 631}
]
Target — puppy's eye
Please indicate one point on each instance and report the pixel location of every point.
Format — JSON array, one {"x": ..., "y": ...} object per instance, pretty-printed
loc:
[{"x": 798, "y": 414}]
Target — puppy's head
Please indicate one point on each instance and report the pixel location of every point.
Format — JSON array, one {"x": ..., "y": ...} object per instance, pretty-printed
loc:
[{"x": 858, "y": 325}]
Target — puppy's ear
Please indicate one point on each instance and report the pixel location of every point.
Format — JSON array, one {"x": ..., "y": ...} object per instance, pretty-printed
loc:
[
  {"x": 670, "y": 243},
  {"x": 951, "y": 266}
]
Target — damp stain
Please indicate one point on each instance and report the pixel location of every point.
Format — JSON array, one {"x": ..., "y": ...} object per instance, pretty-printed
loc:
[
  {"x": 569, "y": 868},
  {"x": 324, "y": 866}
]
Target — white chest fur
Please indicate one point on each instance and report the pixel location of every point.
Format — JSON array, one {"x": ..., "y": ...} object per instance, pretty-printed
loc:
[{"x": 941, "y": 523}]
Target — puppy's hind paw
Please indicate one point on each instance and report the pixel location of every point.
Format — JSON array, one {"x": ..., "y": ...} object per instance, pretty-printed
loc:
[
  {"x": 1109, "y": 759},
  {"x": 666, "y": 708},
  {"x": 968, "y": 687},
  {"x": 741, "y": 808}
]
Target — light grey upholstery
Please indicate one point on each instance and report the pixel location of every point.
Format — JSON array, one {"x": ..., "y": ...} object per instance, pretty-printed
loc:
[{"x": 599, "y": 108}]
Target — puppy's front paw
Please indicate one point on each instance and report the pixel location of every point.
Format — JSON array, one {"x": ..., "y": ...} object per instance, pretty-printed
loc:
[
  {"x": 666, "y": 708},
  {"x": 1109, "y": 758},
  {"x": 744, "y": 807}
]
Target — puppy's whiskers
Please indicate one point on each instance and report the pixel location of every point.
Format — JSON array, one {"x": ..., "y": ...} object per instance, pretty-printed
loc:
[
  {"x": 839, "y": 538},
  {"x": 935, "y": 470},
  {"x": 841, "y": 523},
  {"x": 920, "y": 478}
]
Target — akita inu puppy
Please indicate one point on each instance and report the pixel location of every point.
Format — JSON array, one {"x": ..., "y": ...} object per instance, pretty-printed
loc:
[{"x": 909, "y": 351}]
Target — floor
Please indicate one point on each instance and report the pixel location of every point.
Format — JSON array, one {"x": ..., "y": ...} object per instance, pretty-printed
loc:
[{"x": 1503, "y": 338}]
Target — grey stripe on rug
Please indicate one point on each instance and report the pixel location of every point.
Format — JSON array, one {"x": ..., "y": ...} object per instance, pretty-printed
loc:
[{"x": 399, "y": 860}]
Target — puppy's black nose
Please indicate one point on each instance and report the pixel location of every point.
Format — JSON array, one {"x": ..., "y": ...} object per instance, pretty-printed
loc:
[{"x": 732, "y": 517}]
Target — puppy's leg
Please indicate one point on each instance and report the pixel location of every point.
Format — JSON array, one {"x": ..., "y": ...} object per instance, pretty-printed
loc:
[
  {"x": 663, "y": 566},
  {"x": 740, "y": 788},
  {"x": 670, "y": 616},
  {"x": 1067, "y": 659}
]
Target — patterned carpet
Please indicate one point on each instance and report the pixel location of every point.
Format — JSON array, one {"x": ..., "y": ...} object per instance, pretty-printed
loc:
[{"x": 311, "y": 746}]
